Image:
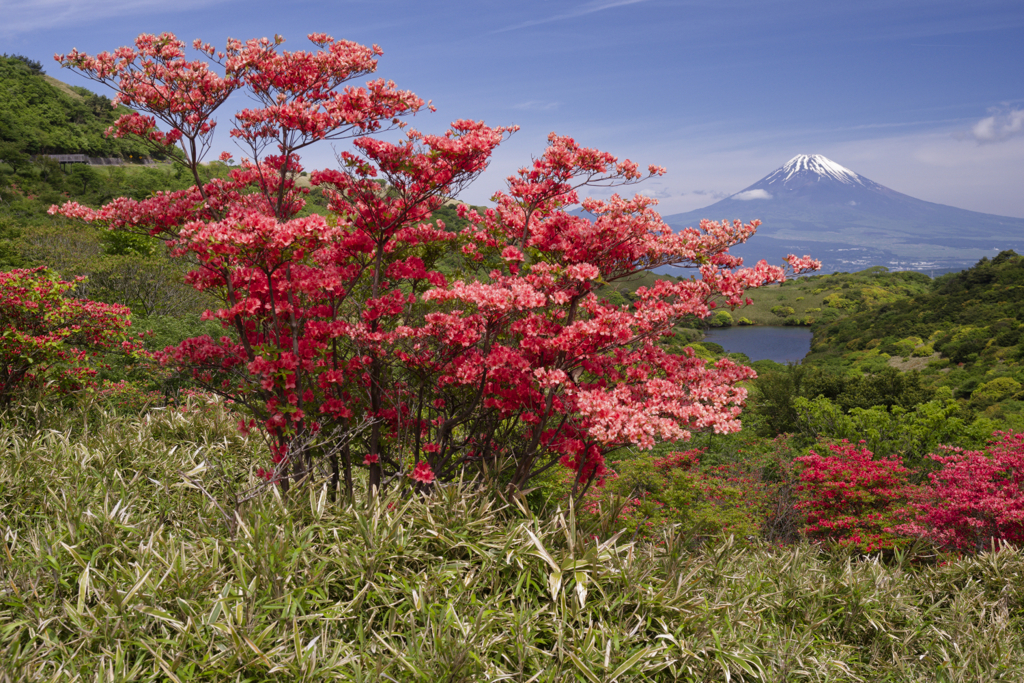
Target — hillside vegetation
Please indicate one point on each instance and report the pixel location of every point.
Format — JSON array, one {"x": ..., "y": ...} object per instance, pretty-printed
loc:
[
  {"x": 824, "y": 298},
  {"x": 41, "y": 115},
  {"x": 128, "y": 556},
  {"x": 861, "y": 526},
  {"x": 964, "y": 334}
]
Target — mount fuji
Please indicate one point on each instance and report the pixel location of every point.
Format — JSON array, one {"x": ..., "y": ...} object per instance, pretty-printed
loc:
[{"x": 812, "y": 205}]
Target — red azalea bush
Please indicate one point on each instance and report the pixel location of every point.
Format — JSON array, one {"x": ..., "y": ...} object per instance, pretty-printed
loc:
[
  {"x": 50, "y": 341},
  {"x": 853, "y": 499},
  {"x": 977, "y": 497},
  {"x": 380, "y": 332}
]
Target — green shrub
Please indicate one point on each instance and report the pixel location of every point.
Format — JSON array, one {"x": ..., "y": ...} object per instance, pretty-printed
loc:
[
  {"x": 783, "y": 311},
  {"x": 995, "y": 390},
  {"x": 721, "y": 319}
]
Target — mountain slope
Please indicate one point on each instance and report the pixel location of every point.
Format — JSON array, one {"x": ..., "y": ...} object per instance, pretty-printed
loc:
[
  {"x": 814, "y": 205},
  {"x": 40, "y": 115}
]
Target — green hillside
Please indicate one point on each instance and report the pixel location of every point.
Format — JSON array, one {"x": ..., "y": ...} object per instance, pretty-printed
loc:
[
  {"x": 41, "y": 115},
  {"x": 825, "y": 298},
  {"x": 967, "y": 316},
  {"x": 965, "y": 333}
]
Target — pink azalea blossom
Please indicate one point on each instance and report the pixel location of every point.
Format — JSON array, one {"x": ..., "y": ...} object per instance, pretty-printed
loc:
[{"x": 422, "y": 473}]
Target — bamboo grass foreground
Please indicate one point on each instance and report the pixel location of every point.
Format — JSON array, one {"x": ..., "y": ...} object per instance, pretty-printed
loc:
[{"x": 127, "y": 557}]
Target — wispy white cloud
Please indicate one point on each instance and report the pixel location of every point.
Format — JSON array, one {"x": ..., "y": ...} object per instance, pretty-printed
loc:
[
  {"x": 28, "y": 15},
  {"x": 658, "y": 192},
  {"x": 1001, "y": 126},
  {"x": 752, "y": 194},
  {"x": 662, "y": 191},
  {"x": 581, "y": 10},
  {"x": 713, "y": 194},
  {"x": 899, "y": 124},
  {"x": 536, "y": 105}
]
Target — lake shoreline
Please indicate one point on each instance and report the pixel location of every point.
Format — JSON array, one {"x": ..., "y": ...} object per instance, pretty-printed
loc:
[{"x": 782, "y": 344}]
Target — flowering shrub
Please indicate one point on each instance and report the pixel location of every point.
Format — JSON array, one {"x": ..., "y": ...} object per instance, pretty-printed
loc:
[
  {"x": 852, "y": 499},
  {"x": 347, "y": 332},
  {"x": 977, "y": 497},
  {"x": 49, "y": 342}
]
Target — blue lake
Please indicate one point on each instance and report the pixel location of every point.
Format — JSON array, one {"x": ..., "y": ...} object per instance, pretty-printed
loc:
[{"x": 780, "y": 344}]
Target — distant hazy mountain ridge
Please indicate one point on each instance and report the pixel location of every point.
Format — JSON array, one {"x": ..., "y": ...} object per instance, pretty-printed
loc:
[{"x": 815, "y": 205}]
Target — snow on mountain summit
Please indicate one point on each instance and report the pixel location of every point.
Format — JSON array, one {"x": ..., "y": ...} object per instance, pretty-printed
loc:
[
  {"x": 816, "y": 177},
  {"x": 807, "y": 164}
]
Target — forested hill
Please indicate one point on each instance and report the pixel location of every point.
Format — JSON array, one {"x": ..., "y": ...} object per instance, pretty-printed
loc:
[
  {"x": 966, "y": 316},
  {"x": 41, "y": 115},
  {"x": 964, "y": 335}
]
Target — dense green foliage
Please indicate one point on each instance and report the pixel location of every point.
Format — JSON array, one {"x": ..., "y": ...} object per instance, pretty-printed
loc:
[
  {"x": 821, "y": 299},
  {"x": 41, "y": 115},
  {"x": 33, "y": 66},
  {"x": 968, "y": 316},
  {"x": 966, "y": 333},
  {"x": 127, "y": 555}
]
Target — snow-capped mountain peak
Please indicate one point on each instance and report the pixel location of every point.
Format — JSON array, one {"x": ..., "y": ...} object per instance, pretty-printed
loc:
[
  {"x": 813, "y": 164},
  {"x": 813, "y": 205}
]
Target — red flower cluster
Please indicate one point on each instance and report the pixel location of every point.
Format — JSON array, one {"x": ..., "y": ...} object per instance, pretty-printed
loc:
[
  {"x": 422, "y": 473},
  {"x": 977, "y": 498},
  {"x": 854, "y": 499}
]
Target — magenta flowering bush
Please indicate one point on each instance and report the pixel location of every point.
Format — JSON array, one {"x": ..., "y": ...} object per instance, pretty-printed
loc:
[
  {"x": 977, "y": 498},
  {"x": 854, "y": 499},
  {"x": 346, "y": 334}
]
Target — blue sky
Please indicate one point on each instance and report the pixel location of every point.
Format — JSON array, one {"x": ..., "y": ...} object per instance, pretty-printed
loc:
[{"x": 924, "y": 96}]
